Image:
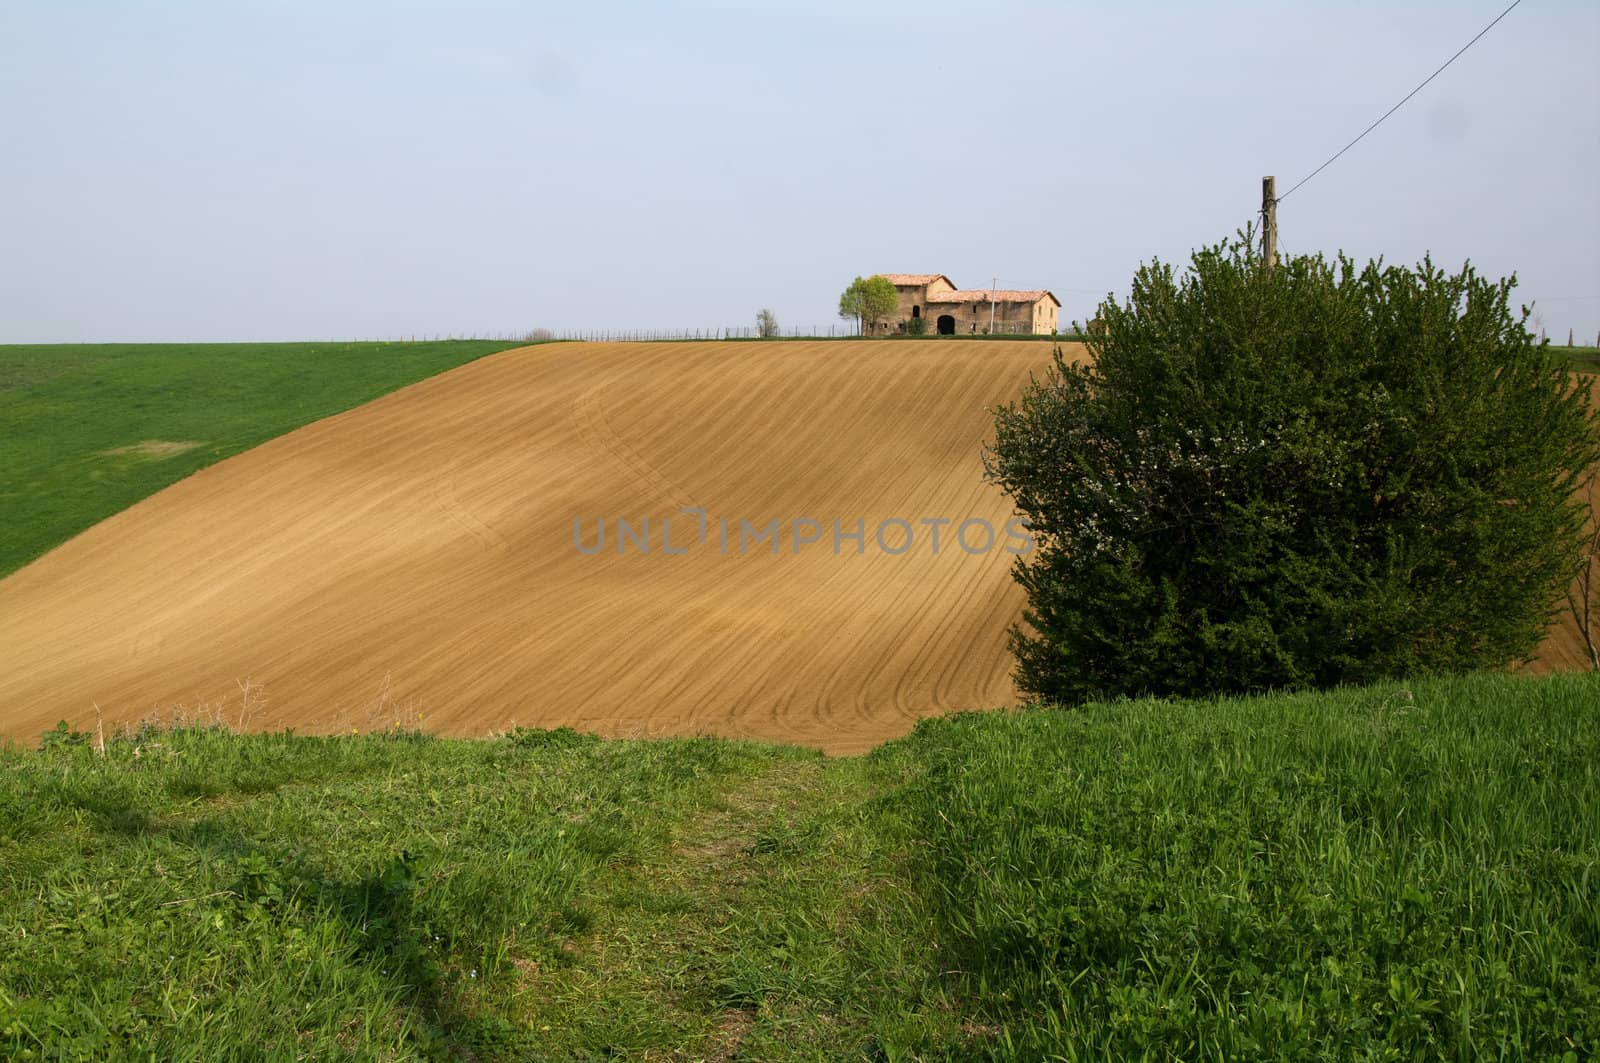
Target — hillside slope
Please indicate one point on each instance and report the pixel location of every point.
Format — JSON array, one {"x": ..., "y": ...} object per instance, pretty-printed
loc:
[
  {"x": 89, "y": 429},
  {"x": 414, "y": 559}
]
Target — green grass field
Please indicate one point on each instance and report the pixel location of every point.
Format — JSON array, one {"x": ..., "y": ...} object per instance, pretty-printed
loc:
[
  {"x": 67, "y": 410},
  {"x": 1586, "y": 359},
  {"x": 1398, "y": 872}
]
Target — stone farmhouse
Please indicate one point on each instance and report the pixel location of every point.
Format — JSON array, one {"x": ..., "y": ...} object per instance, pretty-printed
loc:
[{"x": 951, "y": 311}]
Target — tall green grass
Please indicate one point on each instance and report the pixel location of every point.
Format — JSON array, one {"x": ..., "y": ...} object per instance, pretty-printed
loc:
[
  {"x": 64, "y": 407},
  {"x": 1390, "y": 872},
  {"x": 1396, "y": 872}
]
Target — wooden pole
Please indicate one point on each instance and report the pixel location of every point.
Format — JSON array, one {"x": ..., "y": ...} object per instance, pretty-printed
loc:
[{"x": 1269, "y": 221}]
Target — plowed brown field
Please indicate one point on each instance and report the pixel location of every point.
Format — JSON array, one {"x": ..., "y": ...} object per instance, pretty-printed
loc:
[
  {"x": 413, "y": 561},
  {"x": 415, "y": 556}
]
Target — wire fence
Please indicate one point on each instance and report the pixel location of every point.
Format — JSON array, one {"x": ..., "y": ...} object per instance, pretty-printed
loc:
[
  {"x": 752, "y": 332},
  {"x": 845, "y": 330},
  {"x": 726, "y": 332},
  {"x": 617, "y": 335}
]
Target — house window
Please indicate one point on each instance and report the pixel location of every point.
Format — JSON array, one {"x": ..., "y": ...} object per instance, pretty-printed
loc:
[{"x": 916, "y": 311}]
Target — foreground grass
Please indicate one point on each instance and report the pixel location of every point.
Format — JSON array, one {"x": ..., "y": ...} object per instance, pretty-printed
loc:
[
  {"x": 1382, "y": 873},
  {"x": 73, "y": 417},
  {"x": 1379, "y": 873}
]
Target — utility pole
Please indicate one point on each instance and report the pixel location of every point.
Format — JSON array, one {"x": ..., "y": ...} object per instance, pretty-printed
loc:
[
  {"x": 992, "y": 282},
  {"x": 1269, "y": 221}
]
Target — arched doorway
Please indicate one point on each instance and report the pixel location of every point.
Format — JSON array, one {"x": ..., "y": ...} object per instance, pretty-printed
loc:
[{"x": 947, "y": 325}]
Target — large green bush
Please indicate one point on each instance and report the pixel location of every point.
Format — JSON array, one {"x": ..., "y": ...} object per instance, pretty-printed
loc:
[{"x": 1307, "y": 475}]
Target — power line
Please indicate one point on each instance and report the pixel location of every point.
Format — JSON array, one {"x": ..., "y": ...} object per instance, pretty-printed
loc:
[{"x": 1402, "y": 103}]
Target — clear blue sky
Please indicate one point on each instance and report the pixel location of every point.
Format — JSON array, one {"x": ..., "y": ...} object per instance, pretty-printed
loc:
[{"x": 289, "y": 170}]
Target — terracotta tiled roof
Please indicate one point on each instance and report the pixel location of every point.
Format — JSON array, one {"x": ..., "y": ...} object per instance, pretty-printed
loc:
[
  {"x": 915, "y": 280},
  {"x": 983, "y": 295}
]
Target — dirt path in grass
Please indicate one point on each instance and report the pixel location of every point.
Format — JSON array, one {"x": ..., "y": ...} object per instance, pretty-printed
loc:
[{"x": 742, "y": 939}]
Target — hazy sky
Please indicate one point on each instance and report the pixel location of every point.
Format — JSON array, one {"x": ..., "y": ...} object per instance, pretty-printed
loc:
[{"x": 251, "y": 171}]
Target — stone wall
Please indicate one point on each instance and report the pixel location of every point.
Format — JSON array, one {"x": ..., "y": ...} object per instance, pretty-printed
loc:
[{"x": 973, "y": 318}]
